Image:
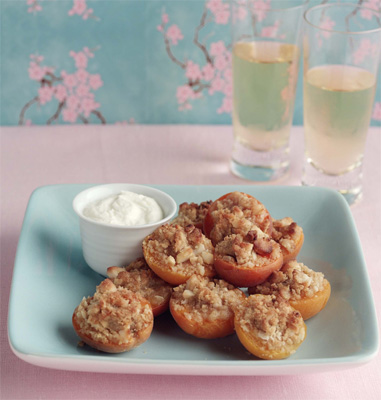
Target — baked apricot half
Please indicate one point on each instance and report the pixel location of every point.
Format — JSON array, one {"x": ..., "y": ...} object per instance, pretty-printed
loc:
[
  {"x": 290, "y": 237},
  {"x": 235, "y": 213},
  {"x": 306, "y": 290},
  {"x": 139, "y": 278},
  {"x": 203, "y": 307},
  {"x": 114, "y": 320},
  {"x": 247, "y": 261},
  {"x": 268, "y": 327},
  {"x": 175, "y": 253}
]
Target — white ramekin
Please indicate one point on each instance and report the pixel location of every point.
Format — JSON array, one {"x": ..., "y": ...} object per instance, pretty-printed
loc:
[{"x": 105, "y": 245}]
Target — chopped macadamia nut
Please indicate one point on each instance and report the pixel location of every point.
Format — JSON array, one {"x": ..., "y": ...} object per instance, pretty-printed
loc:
[
  {"x": 139, "y": 278},
  {"x": 272, "y": 323},
  {"x": 175, "y": 253},
  {"x": 192, "y": 214},
  {"x": 293, "y": 281},
  {"x": 114, "y": 319}
]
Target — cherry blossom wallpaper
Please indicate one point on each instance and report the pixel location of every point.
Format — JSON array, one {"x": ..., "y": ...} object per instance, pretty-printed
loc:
[{"x": 122, "y": 62}]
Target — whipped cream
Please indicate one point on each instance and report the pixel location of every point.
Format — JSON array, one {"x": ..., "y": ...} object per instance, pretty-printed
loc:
[{"x": 126, "y": 209}]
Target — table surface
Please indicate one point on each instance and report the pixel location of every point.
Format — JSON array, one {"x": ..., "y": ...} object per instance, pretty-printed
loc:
[{"x": 197, "y": 155}]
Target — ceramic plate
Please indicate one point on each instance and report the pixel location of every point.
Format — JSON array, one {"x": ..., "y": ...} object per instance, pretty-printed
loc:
[{"x": 51, "y": 277}]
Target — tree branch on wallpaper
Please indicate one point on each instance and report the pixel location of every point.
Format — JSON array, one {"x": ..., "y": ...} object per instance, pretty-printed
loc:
[{"x": 73, "y": 92}]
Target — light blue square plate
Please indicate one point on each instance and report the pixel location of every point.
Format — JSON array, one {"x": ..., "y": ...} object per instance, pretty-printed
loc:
[{"x": 51, "y": 277}]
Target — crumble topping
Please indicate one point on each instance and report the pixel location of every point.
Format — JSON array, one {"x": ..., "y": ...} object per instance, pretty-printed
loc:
[
  {"x": 113, "y": 315},
  {"x": 286, "y": 232},
  {"x": 272, "y": 320},
  {"x": 254, "y": 249},
  {"x": 182, "y": 249},
  {"x": 192, "y": 213},
  {"x": 237, "y": 214},
  {"x": 202, "y": 299},
  {"x": 139, "y": 278},
  {"x": 293, "y": 281}
]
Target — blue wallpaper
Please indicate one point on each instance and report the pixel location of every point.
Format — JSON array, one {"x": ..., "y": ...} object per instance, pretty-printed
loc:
[{"x": 118, "y": 61}]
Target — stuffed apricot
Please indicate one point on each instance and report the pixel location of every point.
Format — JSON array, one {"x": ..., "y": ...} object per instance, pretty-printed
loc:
[
  {"x": 268, "y": 327},
  {"x": 175, "y": 253},
  {"x": 203, "y": 307},
  {"x": 306, "y": 290},
  {"x": 249, "y": 260},
  {"x": 114, "y": 320},
  {"x": 139, "y": 278},
  {"x": 235, "y": 213}
]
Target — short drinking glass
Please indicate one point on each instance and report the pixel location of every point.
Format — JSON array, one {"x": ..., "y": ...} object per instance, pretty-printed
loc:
[
  {"x": 266, "y": 53},
  {"x": 342, "y": 44}
]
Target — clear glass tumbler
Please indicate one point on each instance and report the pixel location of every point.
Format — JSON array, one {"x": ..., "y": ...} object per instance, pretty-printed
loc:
[
  {"x": 266, "y": 51},
  {"x": 342, "y": 43}
]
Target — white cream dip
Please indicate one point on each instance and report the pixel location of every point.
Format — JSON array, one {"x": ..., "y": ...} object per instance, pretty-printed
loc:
[{"x": 125, "y": 208}]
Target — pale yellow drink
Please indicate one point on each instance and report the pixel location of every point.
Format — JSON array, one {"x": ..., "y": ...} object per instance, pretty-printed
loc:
[
  {"x": 338, "y": 103},
  {"x": 264, "y": 76}
]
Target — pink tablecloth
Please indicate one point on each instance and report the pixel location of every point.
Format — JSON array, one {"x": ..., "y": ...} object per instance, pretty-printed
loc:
[{"x": 36, "y": 156}]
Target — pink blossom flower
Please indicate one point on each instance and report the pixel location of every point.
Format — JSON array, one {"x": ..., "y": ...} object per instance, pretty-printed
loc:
[
  {"x": 69, "y": 80},
  {"x": 35, "y": 71},
  {"x": 226, "y": 107},
  {"x": 371, "y": 5},
  {"x": 184, "y": 93},
  {"x": 222, "y": 17},
  {"x": 95, "y": 81},
  {"x": 228, "y": 90},
  {"x": 220, "y": 63},
  {"x": 327, "y": 25},
  {"x": 79, "y": 7},
  {"x": 88, "y": 105},
  {"x": 259, "y": 8},
  {"x": 217, "y": 85},
  {"x": 228, "y": 74},
  {"x": 377, "y": 111},
  {"x": 165, "y": 19},
  {"x": 208, "y": 72},
  {"x": 217, "y": 48},
  {"x": 82, "y": 90},
  {"x": 174, "y": 34},
  {"x": 82, "y": 75},
  {"x": 80, "y": 59},
  {"x": 192, "y": 71},
  {"x": 72, "y": 102},
  {"x": 69, "y": 115},
  {"x": 214, "y": 5},
  {"x": 270, "y": 31},
  {"x": 60, "y": 93},
  {"x": 365, "y": 49},
  {"x": 241, "y": 13},
  {"x": 160, "y": 28},
  {"x": 45, "y": 94}
]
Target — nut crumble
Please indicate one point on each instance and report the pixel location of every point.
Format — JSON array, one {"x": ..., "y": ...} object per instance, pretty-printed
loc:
[
  {"x": 293, "y": 281},
  {"x": 181, "y": 250},
  {"x": 201, "y": 298},
  {"x": 271, "y": 320},
  {"x": 139, "y": 278},
  {"x": 113, "y": 317}
]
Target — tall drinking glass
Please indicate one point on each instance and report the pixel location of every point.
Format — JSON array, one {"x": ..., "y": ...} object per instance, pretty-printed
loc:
[
  {"x": 266, "y": 51},
  {"x": 342, "y": 43}
]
